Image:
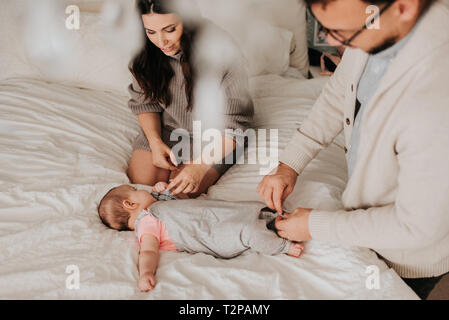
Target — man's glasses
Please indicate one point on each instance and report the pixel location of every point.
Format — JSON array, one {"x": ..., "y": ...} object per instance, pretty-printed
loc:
[{"x": 340, "y": 38}]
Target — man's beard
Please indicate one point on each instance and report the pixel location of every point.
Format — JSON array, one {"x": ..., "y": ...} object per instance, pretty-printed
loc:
[{"x": 385, "y": 45}]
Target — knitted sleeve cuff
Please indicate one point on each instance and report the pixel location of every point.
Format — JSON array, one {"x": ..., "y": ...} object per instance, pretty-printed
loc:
[
  {"x": 320, "y": 226},
  {"x": 145, "y": 108},
  {"x": 294, "y": 156}
]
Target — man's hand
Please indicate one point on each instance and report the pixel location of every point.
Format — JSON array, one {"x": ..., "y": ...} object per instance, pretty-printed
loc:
[
  {"x": 295, "y": 225},
  {"x": 147, "y": 282},
  {"x": 275, "y": 188}
]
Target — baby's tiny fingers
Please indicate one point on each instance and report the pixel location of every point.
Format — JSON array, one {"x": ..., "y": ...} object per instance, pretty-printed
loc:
[{"x": 159, "y": 187}]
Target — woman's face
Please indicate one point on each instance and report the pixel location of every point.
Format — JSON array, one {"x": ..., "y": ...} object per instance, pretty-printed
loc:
[{"x": 165, "y": 31}]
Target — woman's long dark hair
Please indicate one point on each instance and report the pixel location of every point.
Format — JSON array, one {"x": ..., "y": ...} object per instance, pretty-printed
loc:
[{"x": 151, "y": 67}]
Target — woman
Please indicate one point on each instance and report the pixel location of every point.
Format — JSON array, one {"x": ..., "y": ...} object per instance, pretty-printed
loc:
[{"x": 162, "y": 98}]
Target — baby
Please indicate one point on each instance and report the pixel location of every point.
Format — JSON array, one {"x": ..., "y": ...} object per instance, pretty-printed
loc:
[{"x": 220, "y": 228}]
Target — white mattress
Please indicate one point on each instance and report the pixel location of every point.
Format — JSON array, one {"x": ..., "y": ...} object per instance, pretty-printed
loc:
[{"x": 62, "y": 147}]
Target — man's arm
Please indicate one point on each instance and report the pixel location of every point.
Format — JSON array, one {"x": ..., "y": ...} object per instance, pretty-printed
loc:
[
  {"x": 324, "y": 122},
  {"x": 420, "y": 213}
]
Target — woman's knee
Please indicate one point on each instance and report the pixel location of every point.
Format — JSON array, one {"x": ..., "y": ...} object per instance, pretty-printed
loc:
[
  {"x": 141, "y": 169},
  {"x": 136, "y": 177}
]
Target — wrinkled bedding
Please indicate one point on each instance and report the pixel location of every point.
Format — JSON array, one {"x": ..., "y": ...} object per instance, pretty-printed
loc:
[{"x": 62, "y": 147}]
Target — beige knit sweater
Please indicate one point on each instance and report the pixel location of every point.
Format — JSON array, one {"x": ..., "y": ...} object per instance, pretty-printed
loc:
[{"x": 397, "y": 200}]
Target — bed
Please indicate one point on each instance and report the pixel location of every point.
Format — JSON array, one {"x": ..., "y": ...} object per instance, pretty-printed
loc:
[{"x": 62, "y": 145}]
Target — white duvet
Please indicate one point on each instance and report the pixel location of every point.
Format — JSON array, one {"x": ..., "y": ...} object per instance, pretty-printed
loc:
[{"x": 62, "y": 147}]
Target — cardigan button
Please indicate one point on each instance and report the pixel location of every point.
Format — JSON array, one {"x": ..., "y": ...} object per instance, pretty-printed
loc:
[
  {"x": 346, "y": 150},
  {"x": 352, "y": 88},
  {"x": 348, "y": 122}
]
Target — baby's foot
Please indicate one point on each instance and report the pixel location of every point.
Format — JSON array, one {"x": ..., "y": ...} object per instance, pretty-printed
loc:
[
  {"x": 160, "y": 186},
  {"x": 295, "y": 249}
]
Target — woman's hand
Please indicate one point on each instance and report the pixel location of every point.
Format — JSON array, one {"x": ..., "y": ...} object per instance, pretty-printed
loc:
[
  {"x": 275, "y": 188},
  {"x": 163, "y": 157},
  {"x": 188, "y": 179},
  {"x": 150, "y": 122},
  {"x": 147, "y": 282}
]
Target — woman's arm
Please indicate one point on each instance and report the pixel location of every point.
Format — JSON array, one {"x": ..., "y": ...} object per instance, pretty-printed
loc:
[
  {"x": 148, "y": 112},
  {"x": 227, "y": 145},
  {"x": 238, "y": 116},
  {"x": 193, "y": 173},
  {"x": 150, "y": 123},
  {"x": 148, "y": 261}
]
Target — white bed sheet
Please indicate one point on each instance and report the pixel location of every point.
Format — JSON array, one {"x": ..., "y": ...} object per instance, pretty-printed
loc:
[{"x": 62, "y": 147}]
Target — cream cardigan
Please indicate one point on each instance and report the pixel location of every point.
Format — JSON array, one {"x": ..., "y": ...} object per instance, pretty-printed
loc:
[{"x": 397, "y": 200}]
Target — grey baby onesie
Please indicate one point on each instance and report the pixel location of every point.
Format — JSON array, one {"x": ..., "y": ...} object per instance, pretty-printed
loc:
[{"x": 220, "y": 228}]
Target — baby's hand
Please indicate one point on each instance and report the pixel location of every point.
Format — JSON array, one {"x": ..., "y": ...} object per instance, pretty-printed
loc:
[
  {"x": 160, "y": 186},
  {"x": 147, "y": 282},
  {"x": 295, "y": 249}
]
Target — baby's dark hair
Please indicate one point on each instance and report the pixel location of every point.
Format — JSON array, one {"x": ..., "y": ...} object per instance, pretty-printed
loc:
[{"x": 111, "y": 210}]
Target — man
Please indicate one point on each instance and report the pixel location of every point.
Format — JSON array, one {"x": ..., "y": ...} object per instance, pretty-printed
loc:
[{"x": 390, "y": 96}]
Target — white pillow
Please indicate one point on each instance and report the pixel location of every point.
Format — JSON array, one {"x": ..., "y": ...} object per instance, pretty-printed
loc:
[
  {"x": 13, "y": 58},
  {"x": 267, "y": 51},
  {"x": 246, "y": 20},
  {"x": 290, "y": 15},
  {"x": 270, "y": 52},
  {"x": 81, "y": 58}
]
